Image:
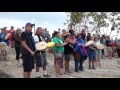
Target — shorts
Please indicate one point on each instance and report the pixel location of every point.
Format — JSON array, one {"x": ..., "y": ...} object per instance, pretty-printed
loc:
[
  {"x": 92, "y": 56},
  {"x": 58, "y": 55},
  {"x": 109, "y": 49},
  {"x": 67, "y": 57},
  {"x": 28, "y": 63},
  {"x": 41, "y": 60},
  {"x": 98, "y": 52}
]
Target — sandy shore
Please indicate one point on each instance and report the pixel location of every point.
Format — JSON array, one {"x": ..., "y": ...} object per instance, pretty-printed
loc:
[{"x": 108, "y": 69}]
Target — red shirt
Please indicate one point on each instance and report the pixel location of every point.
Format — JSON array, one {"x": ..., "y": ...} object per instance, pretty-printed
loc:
[{"x": 11, "y": 34}]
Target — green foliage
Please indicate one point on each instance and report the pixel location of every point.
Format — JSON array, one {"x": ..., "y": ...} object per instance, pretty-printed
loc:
[{"x": 96, "y": 19}]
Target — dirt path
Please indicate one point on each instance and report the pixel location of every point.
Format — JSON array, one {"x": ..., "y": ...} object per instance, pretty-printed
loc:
[{"x": 109, "y": 69}]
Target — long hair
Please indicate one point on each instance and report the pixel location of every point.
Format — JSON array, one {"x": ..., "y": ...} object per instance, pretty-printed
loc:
[{"x": 18, "y": 30}]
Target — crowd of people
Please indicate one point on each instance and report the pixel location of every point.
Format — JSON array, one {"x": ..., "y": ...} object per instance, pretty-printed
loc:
[{"x": 68, "y": 43}]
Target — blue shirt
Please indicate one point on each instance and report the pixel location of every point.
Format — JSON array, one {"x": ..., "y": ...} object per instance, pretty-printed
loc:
[{"x": 2, "y": 38}]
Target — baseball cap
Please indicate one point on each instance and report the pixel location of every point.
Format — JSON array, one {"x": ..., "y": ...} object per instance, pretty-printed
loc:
[{"x": 29, "y": 24}]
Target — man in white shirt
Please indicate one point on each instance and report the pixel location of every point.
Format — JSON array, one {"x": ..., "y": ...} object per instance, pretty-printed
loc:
[{"x": 41, "y": 60}]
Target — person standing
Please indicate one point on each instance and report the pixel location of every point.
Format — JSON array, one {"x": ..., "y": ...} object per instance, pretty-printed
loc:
[
  {"x": 80, "y": 51},
  {"x": 3, "y": 40},
  {"x": 88, "y": 37},
  {"x": 92, "y": 55},
  {"x": 102, "y": 51},
  {"x": 41, "y": 60},
  {"x": 11, "y": 31},
  {"x": 118, "y": 48},
  {"x": 2, "y": 36},
  {"x": 109, "y": 48},
  {"x": 98, "y": 52},
  {"x": 58, "y": 52},
  {"x": 17, "y": 39},
  {"x": 62, "y": 38},
  {"x": 27, "y": 50},
  {"x": 83, "y": 34},
  {"x": 113, "y": 47},
  {"x": 68, "y": 51}
]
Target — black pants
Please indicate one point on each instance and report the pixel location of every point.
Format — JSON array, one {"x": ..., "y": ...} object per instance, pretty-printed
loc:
[
  {"x": 118, "y": 51},
  {"x": 28, "y": 63},
  {"x": 102, "y": 51},
  {"x": 17, "y": 49}
]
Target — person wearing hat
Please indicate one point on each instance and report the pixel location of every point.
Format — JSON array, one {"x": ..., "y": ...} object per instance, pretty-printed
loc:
[
  {"x": 81, "y": 51},
  {"x": 27, "y": 50},
  {"x": 11, "y": 31},
  {"x": 92, "y": 55},
  {"x": 41, "y": 60},
  {"x": 72, "y": 35},
  {"x": 2, "y": 39},
  {"x": 68, "y": 51}
]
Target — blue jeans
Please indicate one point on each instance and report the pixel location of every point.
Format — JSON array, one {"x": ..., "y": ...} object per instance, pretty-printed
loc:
[{"x": 79, "y": 64}]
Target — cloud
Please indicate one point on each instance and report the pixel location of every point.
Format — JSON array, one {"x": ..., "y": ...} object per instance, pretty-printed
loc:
[{"x": 50, "y": 20}]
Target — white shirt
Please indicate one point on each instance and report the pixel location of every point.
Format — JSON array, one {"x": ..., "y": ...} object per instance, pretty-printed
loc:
[{"x": 36, "y": 39}]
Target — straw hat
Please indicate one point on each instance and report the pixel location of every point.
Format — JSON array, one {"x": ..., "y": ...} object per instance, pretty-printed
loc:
[
  {"x": 89, "y": 43},
  {"x": 100, "y": 46},
  {"x": 51, "y": 44},
  {"x": 65, "y": 34},
  {"x": 41, "y": 46}
]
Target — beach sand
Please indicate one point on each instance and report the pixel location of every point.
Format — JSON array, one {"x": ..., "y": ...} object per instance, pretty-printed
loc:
[{"x": 108, "y": 69}]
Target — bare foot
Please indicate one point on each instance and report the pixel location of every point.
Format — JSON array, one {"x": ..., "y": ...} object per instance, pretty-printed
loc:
[
  {"x": 60, "y": 74},
  {"x": 67, "y": 73}
]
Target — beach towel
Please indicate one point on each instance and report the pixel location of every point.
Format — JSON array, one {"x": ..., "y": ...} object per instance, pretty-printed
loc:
[{"x": 82, "y": 49}]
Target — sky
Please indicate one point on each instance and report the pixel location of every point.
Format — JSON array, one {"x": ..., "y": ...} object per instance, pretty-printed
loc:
[{"x": 50, "y": 20}]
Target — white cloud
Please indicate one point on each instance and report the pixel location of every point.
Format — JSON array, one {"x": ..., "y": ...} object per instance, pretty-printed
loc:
[{"x": 19, "y": 23}]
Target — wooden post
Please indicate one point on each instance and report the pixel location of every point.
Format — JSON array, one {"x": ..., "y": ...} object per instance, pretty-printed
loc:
[{"x": 34, "y": 28}]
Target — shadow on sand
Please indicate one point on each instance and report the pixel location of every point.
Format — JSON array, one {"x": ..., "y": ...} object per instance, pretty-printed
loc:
[{"x": 4, "y": 75}]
